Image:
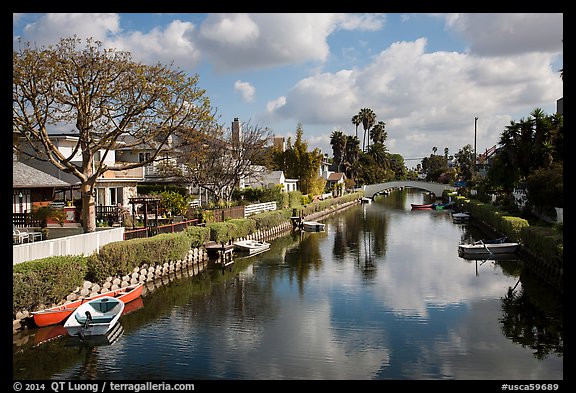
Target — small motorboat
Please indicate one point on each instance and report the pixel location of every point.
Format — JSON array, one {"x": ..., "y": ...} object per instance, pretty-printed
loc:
[
  {"x": 95, "y": 317},
  {"x": 251, "y": 247},
  {"x": 56, "y": 315},
  {"x": 313, "y": 226}
]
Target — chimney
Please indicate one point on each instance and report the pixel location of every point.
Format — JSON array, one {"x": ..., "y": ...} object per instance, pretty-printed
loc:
[{"x": 236, "y": 133}]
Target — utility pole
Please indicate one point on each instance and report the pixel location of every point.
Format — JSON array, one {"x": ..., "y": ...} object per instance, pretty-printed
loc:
[{"x": 474, "y": 163}]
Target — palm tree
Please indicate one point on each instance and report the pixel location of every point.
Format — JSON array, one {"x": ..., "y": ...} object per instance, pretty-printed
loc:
[
  {"x": 338, "y": 142},
  {"x": 379, "y": 152},
  {"x": 351, "y": 155},
  {"x": 356, "y": 120},
  {"x": 378, "y": 132},
  {"x": 368, "y": 119}
]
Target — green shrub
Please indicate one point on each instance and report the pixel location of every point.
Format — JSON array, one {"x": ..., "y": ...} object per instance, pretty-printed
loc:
[
  {"x": 222, "y": 232},
  {"x": 119, "y": 258},
  {"x": 544, "y": 241},
  {"x": 197, "y": 235},
  {"x": 46, "y": 281},
  {"x": 271, "y": 219},
  {"x": 244, "y": 226}
]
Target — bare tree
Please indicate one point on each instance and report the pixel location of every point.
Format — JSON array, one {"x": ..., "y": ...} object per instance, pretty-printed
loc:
[
  {"x": 217, "y": 161},
  {"x": 106, "y": 97}
]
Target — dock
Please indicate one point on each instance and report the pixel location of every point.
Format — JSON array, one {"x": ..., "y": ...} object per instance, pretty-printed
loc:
[{"x": 217, "y": 249}]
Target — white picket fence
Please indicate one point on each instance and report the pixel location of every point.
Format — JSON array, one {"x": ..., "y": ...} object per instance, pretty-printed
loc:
[{"x": 258, "y": 208}]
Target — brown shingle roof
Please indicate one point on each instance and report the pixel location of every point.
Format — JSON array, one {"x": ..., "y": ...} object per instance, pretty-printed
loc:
[{"x": 335, "y": 176}]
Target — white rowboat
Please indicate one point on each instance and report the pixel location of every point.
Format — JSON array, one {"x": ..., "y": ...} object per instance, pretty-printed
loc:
[
  {"x": 313, "y": 226},
  {"x": 487, "y": 249},
  {"x": 251, "y": 247},
  {"x": 95, "y": 317}
]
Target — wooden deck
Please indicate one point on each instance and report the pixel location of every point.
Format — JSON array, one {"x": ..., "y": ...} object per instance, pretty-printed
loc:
[{"x": 214, "y": 248}]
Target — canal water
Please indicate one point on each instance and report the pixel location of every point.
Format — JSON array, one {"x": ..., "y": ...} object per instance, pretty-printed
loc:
[{"x": 381, "y": 294}]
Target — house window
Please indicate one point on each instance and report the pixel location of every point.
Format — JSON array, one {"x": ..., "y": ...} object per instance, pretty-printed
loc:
[
  {"x": 143, "y": 157},
  {"x": 116, "y": 196},
  {"x": 21, "y": 201}
]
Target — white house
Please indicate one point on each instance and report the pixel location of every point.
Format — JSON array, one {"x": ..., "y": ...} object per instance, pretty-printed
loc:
[
  {"x": 112, "y": 187},
  {"x": 335, "y": 182},
  {"x": 269, "y": 179}
]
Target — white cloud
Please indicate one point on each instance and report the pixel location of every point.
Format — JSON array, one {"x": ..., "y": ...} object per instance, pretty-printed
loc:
[
  {"x": 252, "y": 41},
  {"x": 273, "y": 105},
  {"x": 509, "y": 34},
  {"x": 174, "y": 43},
  {"x": 229, "y": 29},
  {"x": 427, "y": 96},
  {"x": 245, "y": 89},
  {"x": 50, "y": 28}
]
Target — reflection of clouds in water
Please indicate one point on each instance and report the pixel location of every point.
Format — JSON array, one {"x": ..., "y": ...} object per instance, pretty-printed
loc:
[
  {"x": 477, "y": 336},
  {"x": 319, "y": 351},
  {"x": 437, "y": 276}
]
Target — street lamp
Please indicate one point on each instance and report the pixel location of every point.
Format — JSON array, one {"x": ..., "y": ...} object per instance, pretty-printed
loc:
[{"x": 475, "y": 123}]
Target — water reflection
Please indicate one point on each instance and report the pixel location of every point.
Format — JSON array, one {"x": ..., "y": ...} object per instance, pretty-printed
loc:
[{"x": 381, "y": 294}]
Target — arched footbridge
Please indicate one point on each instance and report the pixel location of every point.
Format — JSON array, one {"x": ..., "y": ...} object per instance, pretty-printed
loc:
[{"x": 382, "y": 188}]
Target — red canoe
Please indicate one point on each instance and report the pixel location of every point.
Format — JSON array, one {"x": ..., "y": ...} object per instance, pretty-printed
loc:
[
  {"x": 56, "y": 315},
  {"x": 425, "y": 206}
]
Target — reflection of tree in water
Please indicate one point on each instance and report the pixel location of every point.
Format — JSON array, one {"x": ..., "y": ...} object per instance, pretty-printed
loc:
[
  {"x": 365, "y": 238},
  {"x": 361, "y": 235},
  {"x": 533, "y": 316},
  {"x": 306, "y": 257}
]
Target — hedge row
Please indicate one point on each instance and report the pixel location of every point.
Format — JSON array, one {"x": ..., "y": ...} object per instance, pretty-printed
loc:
[
  {"x": 46, "y": 281},
  {"x": 318, "y": 206},
  {"x": 118, "y": 258},
  {"x": 544, "y": 241}
]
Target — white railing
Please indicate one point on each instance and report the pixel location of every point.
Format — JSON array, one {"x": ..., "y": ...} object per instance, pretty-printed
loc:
[
  {"x": 259, "y": 208},
  {"x": 83, "y": 244}
]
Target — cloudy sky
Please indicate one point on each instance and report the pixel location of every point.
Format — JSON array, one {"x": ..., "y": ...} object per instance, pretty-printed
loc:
[{"x": 427, "y": 76}]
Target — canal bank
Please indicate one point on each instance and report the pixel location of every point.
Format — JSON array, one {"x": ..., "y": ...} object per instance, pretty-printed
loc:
[
  {"x": 196, "y": 261},
  {"x": 547, "y": 265}
]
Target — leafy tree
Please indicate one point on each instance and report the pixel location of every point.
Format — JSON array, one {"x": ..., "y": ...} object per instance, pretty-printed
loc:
[
  {"x": 434, "y": 166},
  {"x": 174, "y": 203},
  {"x": 396, "y": 165},
  {"x": 545, "y": 188},
  {"x": 107, "y": 98},
  {"x": 464, "y": 161},
  {"x": 298, "y": 163},
  {"x": 216, "y": 161}
]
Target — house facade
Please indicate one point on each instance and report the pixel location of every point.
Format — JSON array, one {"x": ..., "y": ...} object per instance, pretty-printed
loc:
[
  {"x": 269, "y": 179},
  {"x": 116, "y": 188},
  {"x": 335, "y": 182}
]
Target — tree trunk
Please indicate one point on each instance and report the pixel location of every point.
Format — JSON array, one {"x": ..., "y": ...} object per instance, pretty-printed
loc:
[{"x": 88, "y": 209}]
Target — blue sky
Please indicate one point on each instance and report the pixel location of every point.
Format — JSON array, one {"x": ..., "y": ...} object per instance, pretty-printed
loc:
[{"x": 427, "y": 76}]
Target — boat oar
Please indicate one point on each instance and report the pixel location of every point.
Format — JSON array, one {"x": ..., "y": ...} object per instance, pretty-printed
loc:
[{"x": 486, "y": 247}]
